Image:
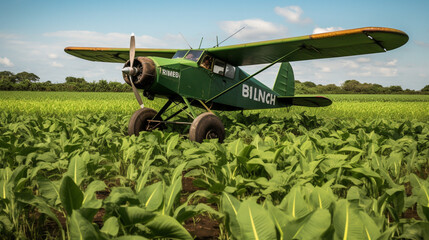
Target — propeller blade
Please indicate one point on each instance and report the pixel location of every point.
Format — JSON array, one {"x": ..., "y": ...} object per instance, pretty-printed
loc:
[
  {"x": 132, "y": 49},
  {"x": 132, "y": 55}
]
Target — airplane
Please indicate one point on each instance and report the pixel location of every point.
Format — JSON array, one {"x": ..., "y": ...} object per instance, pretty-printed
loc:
[{"x": 210, "y": 78}]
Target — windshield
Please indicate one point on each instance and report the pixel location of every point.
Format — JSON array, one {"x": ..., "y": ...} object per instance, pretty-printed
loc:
[
  {"x": 194, "y": 55},
  {"x": 180, "y": 54}
]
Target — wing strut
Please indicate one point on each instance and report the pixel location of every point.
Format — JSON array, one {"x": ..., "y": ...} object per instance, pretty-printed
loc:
[{"x": 249, "y": 77}]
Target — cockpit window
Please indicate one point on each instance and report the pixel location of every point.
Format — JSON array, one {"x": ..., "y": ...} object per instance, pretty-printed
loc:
[
  {"x": 230, "y": 71},
  {"x": 194, "y": 55},
  {"x": 219, "y": 67},
  {"x": 180, "y": 54}
]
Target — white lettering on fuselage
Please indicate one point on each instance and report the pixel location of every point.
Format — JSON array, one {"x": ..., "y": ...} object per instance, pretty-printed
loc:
[
  {"x": 258, "y": 95},
  {"x": 170, "y": 73}
]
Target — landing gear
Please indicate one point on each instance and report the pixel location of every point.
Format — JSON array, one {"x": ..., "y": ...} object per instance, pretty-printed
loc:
[
  {"x": 207, "y": 126},
  {"x": 139, "y": 121},
  {"x": 204, "y": 126}
]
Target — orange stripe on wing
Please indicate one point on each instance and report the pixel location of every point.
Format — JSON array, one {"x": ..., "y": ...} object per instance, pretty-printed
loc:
[{"x": 354, "y": 31}]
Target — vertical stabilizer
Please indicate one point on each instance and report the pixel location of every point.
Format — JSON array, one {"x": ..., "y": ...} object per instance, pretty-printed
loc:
[{"x": 285, "y": 81}]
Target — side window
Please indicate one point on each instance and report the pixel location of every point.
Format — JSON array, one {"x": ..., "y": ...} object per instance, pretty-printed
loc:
[
  {"x": 230, "y": 71},
  {"x": 219, "y": 67},
  {"x": 207, "y": 62}
]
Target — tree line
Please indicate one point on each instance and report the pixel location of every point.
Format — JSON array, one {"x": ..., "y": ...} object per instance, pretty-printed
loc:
[
  {"x": 25, "y": 81},
  {"x": 353, "y": 87}
]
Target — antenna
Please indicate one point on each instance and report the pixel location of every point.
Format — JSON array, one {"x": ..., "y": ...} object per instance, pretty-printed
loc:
[
  {"x": 199, "y": 47},
  {"x": 185, "y": 40},
  {"x": 217, "y": 44}
]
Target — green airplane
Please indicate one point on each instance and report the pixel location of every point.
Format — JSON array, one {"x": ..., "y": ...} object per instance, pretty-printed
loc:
[{"x": 211, "y": 79}]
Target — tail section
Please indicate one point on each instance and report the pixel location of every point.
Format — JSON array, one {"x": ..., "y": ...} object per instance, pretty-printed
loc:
[
  {"x": 285, "y": 81},
  {"x": 285, "y": 87}
]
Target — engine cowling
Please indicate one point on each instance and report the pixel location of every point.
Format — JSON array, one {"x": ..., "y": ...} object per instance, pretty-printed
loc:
[{"x": 145, "y": 72}]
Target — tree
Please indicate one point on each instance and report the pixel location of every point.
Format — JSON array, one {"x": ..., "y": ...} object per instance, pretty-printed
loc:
[
  {"x": 395, "y": 89},
  {"x": 351, "y": 86},
  {"x": 75, "y": 80},
  {"x": 22, "y": 76},
  {"x": 425, "y": 89},
  {"x": 309, "y": 84}
]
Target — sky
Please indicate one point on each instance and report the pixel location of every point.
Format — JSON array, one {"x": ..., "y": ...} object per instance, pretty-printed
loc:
[{"x": 33, "y": 35}]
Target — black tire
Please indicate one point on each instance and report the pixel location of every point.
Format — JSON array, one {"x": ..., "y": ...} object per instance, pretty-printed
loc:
[
  {"x": 138, "y": 121},
  {"x": 207, "y": 126}
]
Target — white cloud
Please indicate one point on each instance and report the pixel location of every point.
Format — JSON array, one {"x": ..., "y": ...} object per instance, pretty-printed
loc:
[
  {"x": 292, "y": 14},
  {"x": 392, "y": 63},
  {"x": 349, "y": 64},
  {"x": 360, "y": 74},
  {"x": 256, "y": 29},
  {"x": 328, "y": 29},
  {"x": 363, "y": 60},
  {"x": 387, "y": 72},
  {"x": 90, "y": 38},
  {"x": 326, "y": 69},
  {"x": 5, "y": 61},
  {"x": 52, "y": 56},
  {"x": 56, "y": 64}
]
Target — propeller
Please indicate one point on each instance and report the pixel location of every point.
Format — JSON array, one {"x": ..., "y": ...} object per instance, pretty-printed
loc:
[{"x": 131, "y": 71}]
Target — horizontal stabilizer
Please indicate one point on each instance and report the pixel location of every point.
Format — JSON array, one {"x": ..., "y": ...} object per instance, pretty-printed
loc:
[{"x": 317, "y": 101}]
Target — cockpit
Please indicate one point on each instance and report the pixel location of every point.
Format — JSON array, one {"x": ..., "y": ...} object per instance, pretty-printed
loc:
[{"x": 208, "y": 62}]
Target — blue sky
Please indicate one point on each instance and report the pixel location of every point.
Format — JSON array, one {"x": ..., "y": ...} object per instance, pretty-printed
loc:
[{"x": 33, "y": 35}]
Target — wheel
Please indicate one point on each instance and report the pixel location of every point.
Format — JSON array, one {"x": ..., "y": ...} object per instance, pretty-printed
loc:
[
  {"x": 138, "y": 121},
  {"x": 207, "y": 126}
]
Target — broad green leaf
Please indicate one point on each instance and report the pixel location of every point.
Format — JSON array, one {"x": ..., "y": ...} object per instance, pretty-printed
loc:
[
  {"x": 230, "y": 206},
  {"x": 173, "y": 190},
  {"x": 171, "y": 144},
  {"x": 420, "y": 189},
  {"x": 141, "y": 181},
  {"x": 312, "y": 226},
  {"x": 255, "y": 222},
  {"x": 49, "y": 190},
  {"x": 163, "y": 226},
  {"x": 121, "y": 195},
  {"x": 280, "y": 219},
  {"x": 81, "y": 228},
  {"x": 321, "y": 198},
  {"x": 151, "y": 197},
  {"x": 132, "y": 215},
  {"x": 351, "y": 223},
  {"x": 93, "y": 187},
  {"x": 70, "y": 195},
  {"x": 294, "y": 203},
  {"x": 77, "y": 169}
]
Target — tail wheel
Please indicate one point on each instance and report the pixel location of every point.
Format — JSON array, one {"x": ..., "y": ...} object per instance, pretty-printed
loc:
[
  {"x": 139, "y": 121},
  {"x": 207, "y": 126}
]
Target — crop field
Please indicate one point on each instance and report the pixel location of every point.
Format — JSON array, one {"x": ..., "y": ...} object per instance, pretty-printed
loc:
[{"x": 357, "y": 169}]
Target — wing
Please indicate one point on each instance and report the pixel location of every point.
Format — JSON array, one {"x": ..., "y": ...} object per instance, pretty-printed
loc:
[
  {"x": 116, "y": 54},
  {"x": 323, "y": 45},
  {"x": 306, "y": 101}
]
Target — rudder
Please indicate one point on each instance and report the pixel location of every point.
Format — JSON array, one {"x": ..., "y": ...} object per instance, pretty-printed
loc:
[{"x": 285, "y": 81}]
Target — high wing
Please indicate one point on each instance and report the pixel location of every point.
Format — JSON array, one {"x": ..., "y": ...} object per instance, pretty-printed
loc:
[
  {"x": 120, "y": 55},
  {"x": 323, "y": 45}
]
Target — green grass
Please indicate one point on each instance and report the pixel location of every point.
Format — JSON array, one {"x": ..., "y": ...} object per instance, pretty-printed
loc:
[{"x": 399, "y": 107}]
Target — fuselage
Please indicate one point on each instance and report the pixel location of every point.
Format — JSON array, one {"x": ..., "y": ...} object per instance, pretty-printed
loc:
[{"x": 182, "y": 77}]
